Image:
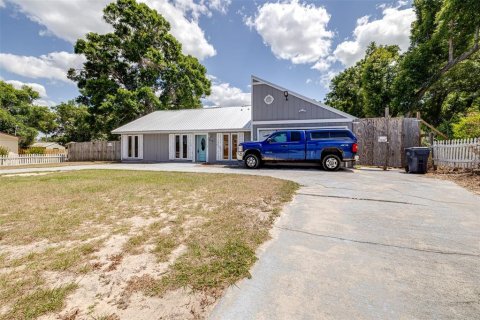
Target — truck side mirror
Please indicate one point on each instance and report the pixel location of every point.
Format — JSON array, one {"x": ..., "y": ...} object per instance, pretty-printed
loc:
[{"x": 269, "y": 140}]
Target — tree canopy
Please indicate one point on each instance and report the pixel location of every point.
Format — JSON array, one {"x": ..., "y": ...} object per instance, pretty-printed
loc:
[
  {"x": 72, "y": 120},
  {"x": 20, "y": 116},
  {"x": 136, "y": 69},
  {"x": 438, "y": 75}
]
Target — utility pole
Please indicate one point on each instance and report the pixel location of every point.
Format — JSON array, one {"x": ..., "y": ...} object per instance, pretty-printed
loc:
[{"x": 387, "y": 120}]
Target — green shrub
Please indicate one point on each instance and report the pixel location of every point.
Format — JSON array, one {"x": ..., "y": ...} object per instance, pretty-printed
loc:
[
  {"x": 468, "y": 126},
  {"x": 3, "y": 151},
  {"x": 35, "y": 150}
]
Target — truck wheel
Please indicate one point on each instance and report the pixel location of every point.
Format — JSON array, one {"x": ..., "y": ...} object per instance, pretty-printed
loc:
[
  {"x": 252, "y": 161},
  {"x": 331, "y": 162}
]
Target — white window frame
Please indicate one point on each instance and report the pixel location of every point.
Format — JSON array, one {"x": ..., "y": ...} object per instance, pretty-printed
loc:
[
  {"x": 181, "y": 157},
  {"x": 231, "y": 157},
  {"x": 125, "y": 147}
]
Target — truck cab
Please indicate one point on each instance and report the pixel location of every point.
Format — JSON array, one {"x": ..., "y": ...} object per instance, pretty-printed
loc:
[{"x": 330, "y": 147}]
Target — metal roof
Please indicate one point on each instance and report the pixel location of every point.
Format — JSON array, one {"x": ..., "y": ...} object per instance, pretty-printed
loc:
[
  {"x": 47, "y": 144},
  {"x": 8, "y": 135},
  {"x": 190, "y": 120}
]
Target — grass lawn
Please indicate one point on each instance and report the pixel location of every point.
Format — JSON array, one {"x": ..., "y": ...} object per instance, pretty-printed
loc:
[{"x": 106, "y": 244}]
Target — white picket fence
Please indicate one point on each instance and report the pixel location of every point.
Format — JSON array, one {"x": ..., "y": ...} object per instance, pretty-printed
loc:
[
  {"x": 459, "y": 153},
  {"x": 24, "y": 159}
]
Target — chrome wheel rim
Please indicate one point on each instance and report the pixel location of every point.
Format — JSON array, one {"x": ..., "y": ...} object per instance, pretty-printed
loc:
[
  {"x": 251, "y": 162},
  {"x": 331, "y": 163}
]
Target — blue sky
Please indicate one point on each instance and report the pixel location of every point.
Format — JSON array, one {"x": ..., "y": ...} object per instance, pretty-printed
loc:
[{"x": 297, "y": 44}]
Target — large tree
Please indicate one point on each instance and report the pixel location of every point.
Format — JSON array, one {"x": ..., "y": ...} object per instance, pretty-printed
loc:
[
  {"x": 444, "y": 35},
  {"x": 72, "y": 119},
  {"x": 20, "y": 116},
  {"x": 438, "y": 75},
  {"x": 365, "y": 89},
  {"x": 136, "y": 69}
]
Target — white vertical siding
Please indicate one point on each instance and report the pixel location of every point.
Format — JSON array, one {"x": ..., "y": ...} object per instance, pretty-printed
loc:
[
  {"x": 124, "y": 146},
  {"x": 171, "y": 146},
  {"x": 219, "y": 146},
  {"x": 190, "y": 146},
  {"x": 140, "y": 146},
  {"x": 241, "y": 138}
]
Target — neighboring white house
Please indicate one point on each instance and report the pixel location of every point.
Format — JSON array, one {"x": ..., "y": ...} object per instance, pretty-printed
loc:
[{"x": 49, "y": 146}]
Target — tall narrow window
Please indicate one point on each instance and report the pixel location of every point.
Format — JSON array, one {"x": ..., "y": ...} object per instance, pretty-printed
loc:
[
  {"x": 234, "y": 145},
  {"x": 136, "y": 146},
  {"x": 177, "y": 147},
  {"x": 185, "y": 149},
  {"x": 130, "y": 147},
  {"x": 226, "y": 146}
]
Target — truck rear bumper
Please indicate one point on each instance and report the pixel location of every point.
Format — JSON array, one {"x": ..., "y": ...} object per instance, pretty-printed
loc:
[{"x": 356, "y": 158}]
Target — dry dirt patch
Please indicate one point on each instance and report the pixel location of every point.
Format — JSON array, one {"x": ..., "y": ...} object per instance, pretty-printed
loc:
[
  {"x": 127, "y": 244},
  {"x": 468, "y": 179}
]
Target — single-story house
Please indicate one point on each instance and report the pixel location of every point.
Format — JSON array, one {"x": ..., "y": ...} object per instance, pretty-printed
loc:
[
  {"x": 9, "y": 142},
  {"x": 213, "y": 134},
  {"x": 49, "y": 146}
]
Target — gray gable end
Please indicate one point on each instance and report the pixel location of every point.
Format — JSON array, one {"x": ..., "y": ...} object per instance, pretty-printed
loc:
[{"x": 295, "y": 108}]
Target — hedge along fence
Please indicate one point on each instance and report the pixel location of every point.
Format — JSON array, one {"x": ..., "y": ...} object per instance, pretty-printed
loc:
[{"x": 458, "y": 153}]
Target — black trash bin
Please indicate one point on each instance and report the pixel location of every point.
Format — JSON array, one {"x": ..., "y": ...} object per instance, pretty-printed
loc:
[{"x": 417, "y": 159}]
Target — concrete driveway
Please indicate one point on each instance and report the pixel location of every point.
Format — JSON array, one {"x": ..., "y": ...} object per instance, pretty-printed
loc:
[{"x": 358, "y": 244}]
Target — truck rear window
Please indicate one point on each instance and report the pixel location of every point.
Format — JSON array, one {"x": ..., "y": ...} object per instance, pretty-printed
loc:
[
  {"x": 319, "y": 135},
  {"x": 339, "y": 134}
]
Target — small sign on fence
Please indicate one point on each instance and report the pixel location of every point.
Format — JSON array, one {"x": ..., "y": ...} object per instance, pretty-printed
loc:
[{"x": 382, "y": 139}]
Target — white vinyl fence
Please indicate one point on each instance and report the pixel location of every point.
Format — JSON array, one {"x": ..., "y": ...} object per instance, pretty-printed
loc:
[
  {"x": 459, "y": 153},
  {"x": 24, "y": 159}
]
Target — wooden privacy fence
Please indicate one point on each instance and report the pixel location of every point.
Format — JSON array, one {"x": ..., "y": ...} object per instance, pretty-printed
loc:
[
  {"x": 94, "y": 151},
  {"x": 459, "y": 153},
  {"x": 381, "y": 141},
  {"x": 24, "y": 159}
]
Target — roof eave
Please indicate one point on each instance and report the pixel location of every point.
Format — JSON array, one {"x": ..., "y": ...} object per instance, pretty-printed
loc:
[{"x": 180, "y": 131}]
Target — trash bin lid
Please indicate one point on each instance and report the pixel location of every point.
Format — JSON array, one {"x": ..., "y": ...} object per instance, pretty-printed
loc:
[{"x": 419, "y": 150}]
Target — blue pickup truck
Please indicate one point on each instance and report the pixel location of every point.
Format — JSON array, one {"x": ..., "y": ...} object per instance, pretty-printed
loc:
[{"x": 328, "y": 146}]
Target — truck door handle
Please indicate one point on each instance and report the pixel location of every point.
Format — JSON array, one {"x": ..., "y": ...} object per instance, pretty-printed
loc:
[{"x": 284, "y": 145}]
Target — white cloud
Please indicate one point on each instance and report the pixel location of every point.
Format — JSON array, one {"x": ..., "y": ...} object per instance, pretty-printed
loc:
[
  {"x": 2, "y": 4},
  {"x": 52, "y": 66},
  {"x": 35, "y": 86},
  {"x": 294, "y": 31},
  {"x": 225, "y": 95},
  {"x": 326, "y": 78},
  {"x": 322, "y": 65},
  {"x": 68, "y": 19},
  {"x": 219, "y": 5},
  {"x": 308, "y": 81},
  {"x": 187, "y": 31},
  {"x": 393, "y": 28},
  {"x": 43, "y": 100},
  {"x": 72, "y": 19}
]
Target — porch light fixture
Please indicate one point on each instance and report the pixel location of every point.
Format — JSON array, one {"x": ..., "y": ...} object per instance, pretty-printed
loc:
[{"x": 285, "y": 94}]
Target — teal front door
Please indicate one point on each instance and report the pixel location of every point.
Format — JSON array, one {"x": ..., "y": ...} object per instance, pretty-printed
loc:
[{"x": 201, "y": 148}]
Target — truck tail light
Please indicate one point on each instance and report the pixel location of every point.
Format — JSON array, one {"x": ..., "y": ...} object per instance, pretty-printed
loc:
[{"x": 354, "y": 148}]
